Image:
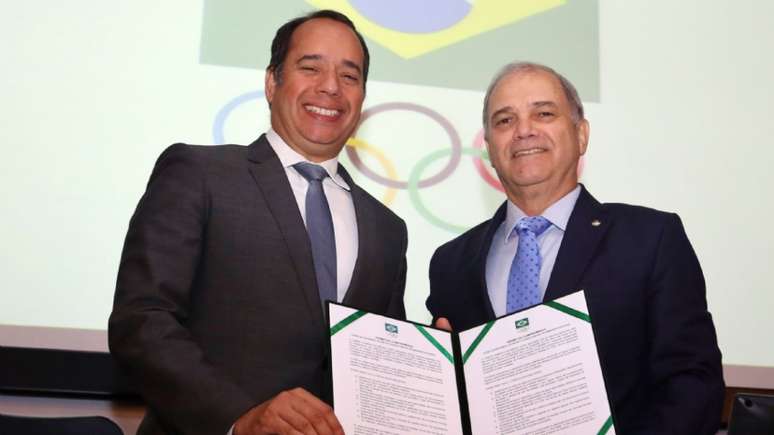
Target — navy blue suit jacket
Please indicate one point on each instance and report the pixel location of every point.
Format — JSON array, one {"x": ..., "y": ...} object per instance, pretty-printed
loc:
[{"x": 646, "y": 295}]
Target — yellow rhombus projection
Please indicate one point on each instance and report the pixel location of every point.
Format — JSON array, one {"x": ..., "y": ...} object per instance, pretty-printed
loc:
[{"x": 485, "y": 15}]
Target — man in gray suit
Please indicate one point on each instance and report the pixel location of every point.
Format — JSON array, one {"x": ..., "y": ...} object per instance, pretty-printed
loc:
[{"x": 217, "y": 314}]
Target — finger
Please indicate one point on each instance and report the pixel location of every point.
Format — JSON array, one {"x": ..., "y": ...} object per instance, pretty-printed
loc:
[
  {"x": 443, "y": 323},
  {"x": 280, "y": 425},
  {"x": 295, "y": 424},
  {"x": 316, "y": 412},
  {"x": 285, "y": 419}
]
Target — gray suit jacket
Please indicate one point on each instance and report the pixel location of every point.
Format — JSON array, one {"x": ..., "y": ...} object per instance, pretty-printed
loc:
[{"x": 216, "y": 306}]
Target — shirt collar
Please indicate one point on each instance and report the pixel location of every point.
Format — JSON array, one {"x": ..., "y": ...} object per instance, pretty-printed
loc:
[
  {"x": 558, "y": 213},
  {"x": 289, "y": 157}
]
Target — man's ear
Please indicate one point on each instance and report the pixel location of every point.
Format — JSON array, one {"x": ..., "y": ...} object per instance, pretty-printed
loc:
[
  {"x": 269, "y": 83},
  {"x": 487, "y": 148},
  {"x": 583, "y": 136}
]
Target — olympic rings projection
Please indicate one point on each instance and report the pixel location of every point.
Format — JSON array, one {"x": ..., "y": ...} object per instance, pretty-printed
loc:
[
  {"x": 454, "y": 138},
  {"x": 225, "y": 112},
  {"x": 478, "y": 143},
  {"x": 390, "y": 181},
  {"x": 355, "y": 143},
  {"x": 413, "y": 187}
]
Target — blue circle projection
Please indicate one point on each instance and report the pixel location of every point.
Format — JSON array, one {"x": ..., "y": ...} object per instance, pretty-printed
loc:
[
  {"x": 223, "y": 114},
  {"x": 412, "y": 16}
]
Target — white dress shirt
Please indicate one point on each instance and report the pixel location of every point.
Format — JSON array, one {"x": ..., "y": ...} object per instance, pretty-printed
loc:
[
  {"x": 506, "y": 241},
  {"x": 337, "y": 191}
]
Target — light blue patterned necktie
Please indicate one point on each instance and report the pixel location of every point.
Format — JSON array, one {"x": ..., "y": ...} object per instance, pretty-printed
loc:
[
  {"x": 524, "y": 277},
  {"x": 319, "y": 226}
]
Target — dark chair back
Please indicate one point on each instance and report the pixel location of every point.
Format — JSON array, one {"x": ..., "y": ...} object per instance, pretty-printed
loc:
[
  {"x": 18, "y": 425},
  {"x": 752, "y": 414}
]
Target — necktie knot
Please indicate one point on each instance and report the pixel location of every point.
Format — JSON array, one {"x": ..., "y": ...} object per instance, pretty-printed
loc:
[
  {"x": 310, "y": 171},
  {"x": 534, "y": 224}
]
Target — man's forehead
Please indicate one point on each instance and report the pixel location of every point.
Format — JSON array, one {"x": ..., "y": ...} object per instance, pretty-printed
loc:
[
  {"x": 310, "y": 37},
  {"x": 532, "y": 87}
]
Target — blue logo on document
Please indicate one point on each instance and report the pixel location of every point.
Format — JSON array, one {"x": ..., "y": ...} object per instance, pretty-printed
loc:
[
  {"x": 392, "y": 329},
  {"x": 522, "y": 324}
]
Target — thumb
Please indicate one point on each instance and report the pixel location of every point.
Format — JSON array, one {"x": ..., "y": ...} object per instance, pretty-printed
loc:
[{"x": 443, "y": 323}]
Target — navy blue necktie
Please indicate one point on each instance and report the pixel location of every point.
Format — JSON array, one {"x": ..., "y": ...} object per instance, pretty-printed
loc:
[
  {"x": 319, "y": 226},
  {"x": 524, "y": 278}
]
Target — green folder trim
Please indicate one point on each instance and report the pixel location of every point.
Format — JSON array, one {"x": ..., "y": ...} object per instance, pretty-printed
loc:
[
  {"x": 606, "y": 427},
  {"x": 435, "y": 343},
  {"x": 478, "y": 339},
  {"x": 347, "y": 320},
  {"x": 585, "y": 317},
  {"x": 571, "y": 311}
]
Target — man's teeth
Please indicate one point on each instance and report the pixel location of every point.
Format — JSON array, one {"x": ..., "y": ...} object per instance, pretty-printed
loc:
[
  {"x": 528, "y": 152},
  {"x": 322, "y": 111}
]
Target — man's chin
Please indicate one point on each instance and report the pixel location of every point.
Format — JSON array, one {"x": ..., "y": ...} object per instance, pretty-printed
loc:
[
  {"x": 322, "y": 151},
  {"x": 326, "y": 143},
  {"x": 528, "y": 180}
]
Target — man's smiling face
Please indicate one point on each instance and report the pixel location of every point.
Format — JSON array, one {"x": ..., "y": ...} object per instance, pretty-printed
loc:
[
  {"x": 317, "y": 99},
  {"x": 532, "y": 138}
]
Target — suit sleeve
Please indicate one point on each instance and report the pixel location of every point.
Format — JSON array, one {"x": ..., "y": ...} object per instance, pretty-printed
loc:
[
  {"x": 433, "y": 301},
  {"x": 685, "y": 362},
  {"x": 455, "y": 292},
  {"x": 156, "y": 279},
  {"x": 397, "y": 308}
]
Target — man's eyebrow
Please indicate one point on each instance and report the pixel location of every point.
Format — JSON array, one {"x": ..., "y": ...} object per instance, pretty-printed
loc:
[
  {"x": 346, "y": 62},
  {"x": 501, "y": 110},
  {"x": 352, "y": 64},
  {"x": 309, "y": 57},
  {"x": 543, "y": 104}
]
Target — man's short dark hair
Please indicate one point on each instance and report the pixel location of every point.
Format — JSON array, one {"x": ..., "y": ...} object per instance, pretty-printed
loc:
[{"x": 281, "y": 43}]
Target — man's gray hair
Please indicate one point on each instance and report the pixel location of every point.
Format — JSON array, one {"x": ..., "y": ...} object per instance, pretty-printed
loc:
[{"x": 576, "y": 105}]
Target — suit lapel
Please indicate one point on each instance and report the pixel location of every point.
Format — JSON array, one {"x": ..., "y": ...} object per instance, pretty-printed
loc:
[
  {"x": 587, "y": 226},
  {"x": 482, "y": 252},
  {"x": 269, "y": 175},
  {"x": 367, "y": 229}
]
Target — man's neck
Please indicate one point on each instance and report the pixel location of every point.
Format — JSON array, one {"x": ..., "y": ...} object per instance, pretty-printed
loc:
[{"x": 534, "y": 200}]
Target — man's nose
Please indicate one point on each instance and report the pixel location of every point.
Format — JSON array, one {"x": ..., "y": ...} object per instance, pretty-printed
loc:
[
  {"x": 329, "y": 83},
  {"x": 525, "y": 128}
]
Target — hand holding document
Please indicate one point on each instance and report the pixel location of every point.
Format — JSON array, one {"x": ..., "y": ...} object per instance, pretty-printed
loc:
[{"x": 531, "y": 372}]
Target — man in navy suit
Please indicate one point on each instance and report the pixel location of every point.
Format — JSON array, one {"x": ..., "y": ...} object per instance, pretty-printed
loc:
[
  {"x": 643, "y": 283},
  {"x": 218, "y": 315}
]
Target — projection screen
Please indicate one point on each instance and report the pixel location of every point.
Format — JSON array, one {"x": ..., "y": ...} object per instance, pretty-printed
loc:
[{"x": 677, "y": 94}]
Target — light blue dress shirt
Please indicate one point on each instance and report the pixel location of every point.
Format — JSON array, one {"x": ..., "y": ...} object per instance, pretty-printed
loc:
[{"x": 505, "y": 242}]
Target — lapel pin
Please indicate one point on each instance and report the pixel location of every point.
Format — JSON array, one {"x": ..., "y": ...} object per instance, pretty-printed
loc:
[{"x": 596, "y": 223}]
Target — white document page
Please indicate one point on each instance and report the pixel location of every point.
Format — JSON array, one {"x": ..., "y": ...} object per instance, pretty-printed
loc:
[
  {"x": 391, "y": 377},
  {"x": 536, "y": 372}
]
